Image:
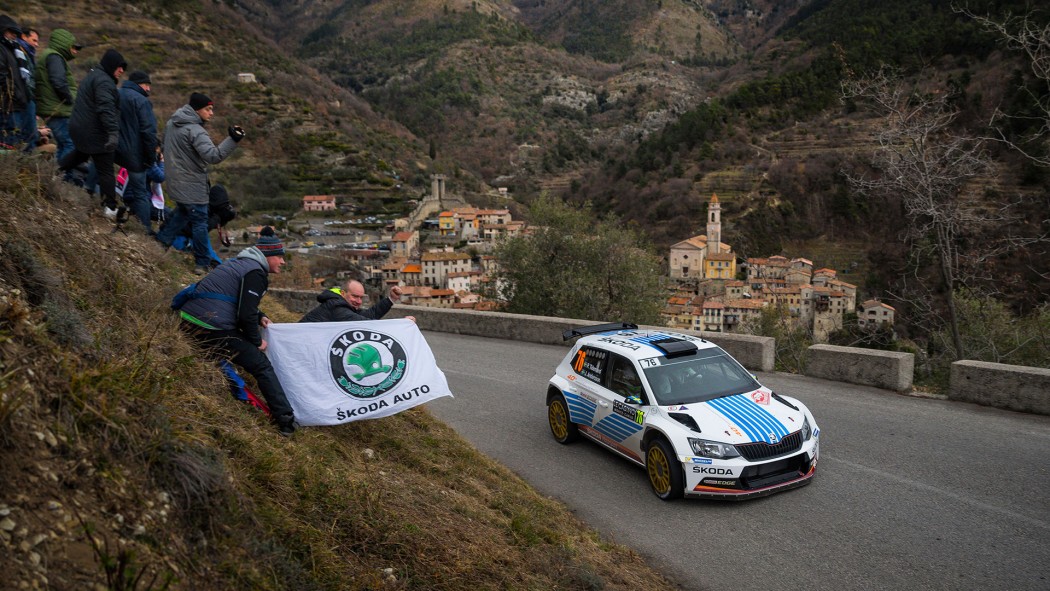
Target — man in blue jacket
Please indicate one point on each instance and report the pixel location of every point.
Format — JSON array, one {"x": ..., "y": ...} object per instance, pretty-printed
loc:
[
  {"x": 137, "y": 148},
  {"x": 224, "y": 317}
]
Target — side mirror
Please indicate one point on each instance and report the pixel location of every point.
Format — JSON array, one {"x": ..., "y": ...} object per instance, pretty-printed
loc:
[{"x": 636, "y": 400}]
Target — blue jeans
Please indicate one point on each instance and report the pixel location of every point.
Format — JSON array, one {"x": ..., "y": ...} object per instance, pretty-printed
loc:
[
  {"x": 137, "y": 198},
  {"x": 10, "y": 130},
  {"x": 60, "y": 131},
  {"x": 196, "y": 216},
  {"x": 28, "y": 126}
]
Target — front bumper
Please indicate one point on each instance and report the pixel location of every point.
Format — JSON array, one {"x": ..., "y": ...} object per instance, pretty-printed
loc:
[{"x": 727, "y": 482}]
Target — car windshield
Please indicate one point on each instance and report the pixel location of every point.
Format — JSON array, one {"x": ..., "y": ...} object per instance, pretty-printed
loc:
[{"x": 695, "y": 378}]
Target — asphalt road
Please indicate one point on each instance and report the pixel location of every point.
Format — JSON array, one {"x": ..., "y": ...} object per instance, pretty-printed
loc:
[{"x": 910, "y": 493}]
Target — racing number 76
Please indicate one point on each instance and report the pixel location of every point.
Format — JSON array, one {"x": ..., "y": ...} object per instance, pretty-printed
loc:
[{"x": 578, "y": 364}]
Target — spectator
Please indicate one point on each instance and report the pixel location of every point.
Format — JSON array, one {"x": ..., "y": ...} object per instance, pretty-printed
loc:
[
  {"x": 220, "y": 213},
  {"x": 94, "y": 126},
  {"x": 29, "y": 41},
  {"x": 342, "y": 305},
  {"x": 13, "y": 94},
  {"x": 188, "y": 150},
  {"x": 224, "y": 317},
  {"x": 56, "y": 90},
  {"x": 137, "y": 148}
]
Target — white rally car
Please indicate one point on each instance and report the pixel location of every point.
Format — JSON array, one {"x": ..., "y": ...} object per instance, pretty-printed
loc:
[{"x": 684, "y": 409}]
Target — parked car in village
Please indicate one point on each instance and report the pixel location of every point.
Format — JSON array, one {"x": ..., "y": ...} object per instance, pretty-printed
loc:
[{"x": 685, "y": 410}]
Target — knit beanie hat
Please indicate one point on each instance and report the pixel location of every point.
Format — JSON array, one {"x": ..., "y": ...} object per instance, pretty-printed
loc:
[
  {"x": 139, "y": 77},
  {"x": 269, "y": 243},
  {"x": 111, "y": 60},
  {"x": 198, "y": 101}
]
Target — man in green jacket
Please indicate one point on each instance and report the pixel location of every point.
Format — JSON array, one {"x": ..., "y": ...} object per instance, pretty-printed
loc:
[{"x": 56, "y": 89}]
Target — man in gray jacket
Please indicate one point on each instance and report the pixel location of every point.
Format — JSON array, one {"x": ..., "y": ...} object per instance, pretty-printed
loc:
[{"x": 188, "y": 150}]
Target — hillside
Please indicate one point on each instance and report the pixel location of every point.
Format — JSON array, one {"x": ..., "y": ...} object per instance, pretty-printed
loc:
[
  {"x": 515, "y": 93},
  {"x": 306, "y": 135},
  {"x": 127, "y": 464}
]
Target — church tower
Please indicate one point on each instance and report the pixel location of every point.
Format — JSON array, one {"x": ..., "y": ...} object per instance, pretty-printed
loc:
[{"x": 714, "y": 226}]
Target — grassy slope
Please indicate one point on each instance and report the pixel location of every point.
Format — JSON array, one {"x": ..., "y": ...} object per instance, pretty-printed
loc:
[{"x": 120, "y": 447}]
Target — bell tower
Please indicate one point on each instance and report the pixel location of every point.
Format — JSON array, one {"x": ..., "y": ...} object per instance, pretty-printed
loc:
[{"x": 714, "y": 225}]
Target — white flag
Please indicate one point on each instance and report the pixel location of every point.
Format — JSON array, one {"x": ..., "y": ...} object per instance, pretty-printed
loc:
[{"x": 336, "y": 372}]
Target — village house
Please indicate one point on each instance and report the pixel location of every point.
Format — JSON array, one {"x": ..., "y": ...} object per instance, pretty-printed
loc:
[
  {"x": 874, "y": 314},
  {"x": 319, "y": 203},
  {"x": 713, "y": 320},
  {"x": 437, "y": 266},
  {"x": 428, "y": 297},
  {"x": 404, "y": 244},
  {"x": 720, "y": 265},
  {"x": 737, "y": 312},
  {"x": 774, "y": 267},
  {"x": 411, "y": 274},
  {"x": 463, "y": 280},
  {"x": 446, "y": 223}
]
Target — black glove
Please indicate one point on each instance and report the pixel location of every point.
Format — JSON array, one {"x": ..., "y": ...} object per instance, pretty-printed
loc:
[{"x": 236, "y": 132}]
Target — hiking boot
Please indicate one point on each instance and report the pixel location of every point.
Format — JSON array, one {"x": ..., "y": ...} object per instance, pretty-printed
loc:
[
  {"x": 122, "y": 215},
  {"x": 109, "y": 212},
  {"x": 200, "y": 270},
  {"x": 286, "y": 430}
]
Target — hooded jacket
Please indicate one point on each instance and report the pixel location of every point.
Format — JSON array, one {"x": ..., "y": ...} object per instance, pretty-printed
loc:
[
  {"x": 334, "y": 308},
  {"x": 13, "y": 93},
  {"x": 188, "y": 150},
  {"x": 56, "y": 89},
  {"x": 94, "y": 125},
  {"x": 137, "y": 149},
  {"x": 243, "y": 278}
]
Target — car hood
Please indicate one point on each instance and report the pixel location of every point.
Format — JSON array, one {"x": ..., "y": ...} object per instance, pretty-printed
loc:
[{"x": 744, "y": 418}]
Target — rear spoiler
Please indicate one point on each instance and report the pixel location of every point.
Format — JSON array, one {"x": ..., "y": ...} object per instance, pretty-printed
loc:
[{"x": 586, "y": 330}]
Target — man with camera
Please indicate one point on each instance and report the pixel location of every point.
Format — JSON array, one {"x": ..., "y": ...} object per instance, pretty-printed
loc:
[{"x": 188, "y": 150}]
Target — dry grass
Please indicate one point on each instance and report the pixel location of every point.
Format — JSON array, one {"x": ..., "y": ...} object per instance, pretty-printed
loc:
[{"x": 126, "y": 462}]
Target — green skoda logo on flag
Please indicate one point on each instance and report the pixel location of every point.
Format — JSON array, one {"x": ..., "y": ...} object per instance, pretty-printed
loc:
[{"x": 365, "y": 363}]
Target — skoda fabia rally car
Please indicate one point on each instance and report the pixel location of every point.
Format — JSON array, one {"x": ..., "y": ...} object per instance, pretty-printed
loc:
[{"x": 684, "y": 409}]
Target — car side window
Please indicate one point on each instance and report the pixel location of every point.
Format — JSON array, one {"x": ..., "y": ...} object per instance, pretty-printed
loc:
[
  {"x": 623, "y": 378},
  {"x": 590, "y": 363}
]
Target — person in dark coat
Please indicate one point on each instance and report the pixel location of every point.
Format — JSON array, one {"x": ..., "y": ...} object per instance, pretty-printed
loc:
[
  {"x": 95, "y": 126},
  {"x": 13, "y": 92},
  {"x": 28, "y": 43},
  {"x": 225, "y": 319},
  {"x": 137, "y": 147},
  {"x": 344, "y": 304}
]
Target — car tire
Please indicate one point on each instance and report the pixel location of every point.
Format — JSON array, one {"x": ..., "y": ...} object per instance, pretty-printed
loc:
[
  {"x": 664, "y": 470},
  {"x": 563, "y": 430}
]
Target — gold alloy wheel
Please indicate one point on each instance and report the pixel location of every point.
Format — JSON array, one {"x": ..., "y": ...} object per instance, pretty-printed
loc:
[
  {"x": 558, "y": 419},
  {"x": 659, "y": 468}
]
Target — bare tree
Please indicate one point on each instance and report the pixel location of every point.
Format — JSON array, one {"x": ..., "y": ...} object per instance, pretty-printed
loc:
[
  {"x": 920, "y": 161},
  {"x": 1023, "y": 33}
]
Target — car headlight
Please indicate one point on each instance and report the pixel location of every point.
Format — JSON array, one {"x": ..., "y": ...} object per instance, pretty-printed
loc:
[
  {"x": 713, "y": 449},
  {"x": 807, "y": 430}
]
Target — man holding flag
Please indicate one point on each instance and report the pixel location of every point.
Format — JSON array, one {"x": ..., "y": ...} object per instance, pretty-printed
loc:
[{"x": 336, "y": 372}]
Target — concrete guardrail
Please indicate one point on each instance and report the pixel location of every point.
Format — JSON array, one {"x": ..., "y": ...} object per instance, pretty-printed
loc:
[
  {"x": 889, "y": 370},
  {"x": 1013, "y": 387},
  {"x": 1010, "y": 387},
  {"x": 754, "y": 353}
]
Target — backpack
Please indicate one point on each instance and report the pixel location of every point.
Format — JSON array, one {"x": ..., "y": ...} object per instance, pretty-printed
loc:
[{"x": 190, "y": 293}]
